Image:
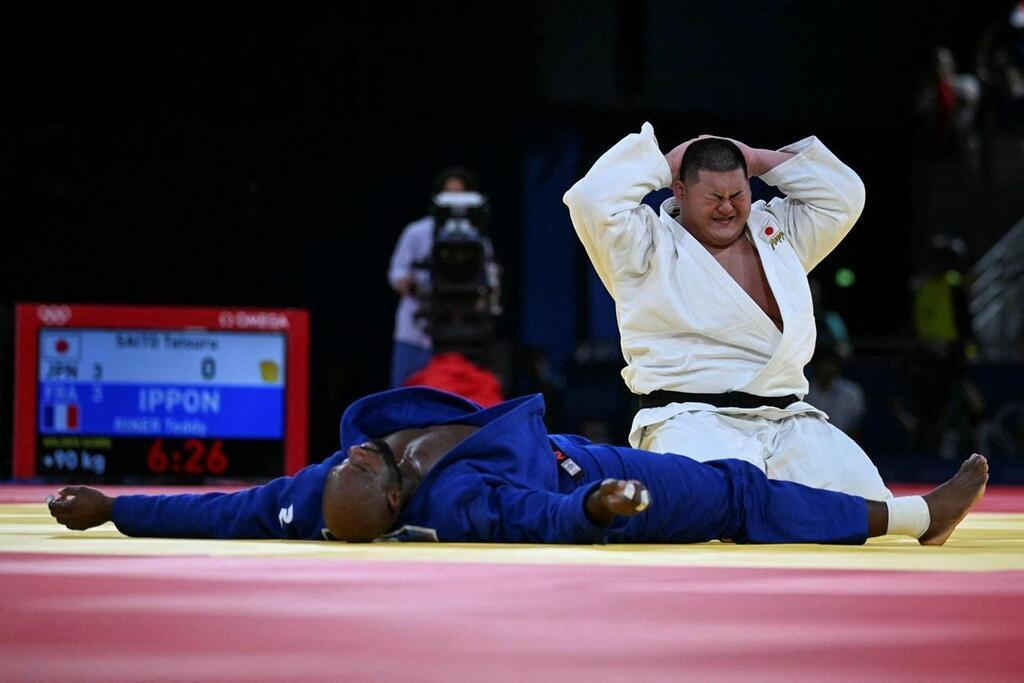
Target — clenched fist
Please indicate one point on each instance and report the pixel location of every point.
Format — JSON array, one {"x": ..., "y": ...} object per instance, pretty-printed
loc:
[
  {"x": 617, "y": 497},
  {"x": 80, "y": 507}
]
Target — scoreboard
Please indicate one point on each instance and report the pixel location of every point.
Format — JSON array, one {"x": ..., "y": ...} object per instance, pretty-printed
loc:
[{"x": 116, "y": 393}]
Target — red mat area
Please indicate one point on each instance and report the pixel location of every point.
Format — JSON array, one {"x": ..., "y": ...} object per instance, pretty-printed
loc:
[
  {"x": 91, "y": 619},
  {"x": 94, "y": 618},
  {"x": 997, "y": 498}
]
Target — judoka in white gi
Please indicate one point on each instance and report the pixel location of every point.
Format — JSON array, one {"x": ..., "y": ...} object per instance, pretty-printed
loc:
[{"x": 712, "y": 299}]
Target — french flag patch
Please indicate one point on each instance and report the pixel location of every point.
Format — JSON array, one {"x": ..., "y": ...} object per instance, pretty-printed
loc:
[{"x": 61, "y": 417}]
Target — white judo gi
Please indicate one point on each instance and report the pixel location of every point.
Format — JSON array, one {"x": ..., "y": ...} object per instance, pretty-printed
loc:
[{"x": 686, "y": 325}]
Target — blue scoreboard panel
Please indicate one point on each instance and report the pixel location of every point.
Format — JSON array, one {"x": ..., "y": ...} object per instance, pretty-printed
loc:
[{"x": 131, "y": 403}]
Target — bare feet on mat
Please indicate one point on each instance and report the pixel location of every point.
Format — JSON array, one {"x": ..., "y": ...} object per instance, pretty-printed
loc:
[{"x": 949, "y": 503}]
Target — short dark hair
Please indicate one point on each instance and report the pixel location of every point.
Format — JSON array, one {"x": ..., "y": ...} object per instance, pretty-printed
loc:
[
  {"x": 467, "y": 177},
  {"x": 710, "y": 154}
]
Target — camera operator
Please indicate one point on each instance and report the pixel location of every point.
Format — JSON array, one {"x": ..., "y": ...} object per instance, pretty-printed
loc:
[{"x": 410, "y": 276}]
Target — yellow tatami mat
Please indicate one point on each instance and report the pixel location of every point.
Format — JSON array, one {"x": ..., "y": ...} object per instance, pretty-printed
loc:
[{"x": 983, "y": 542}]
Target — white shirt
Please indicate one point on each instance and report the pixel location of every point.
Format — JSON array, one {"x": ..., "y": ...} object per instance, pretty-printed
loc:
[{"x": 414, "y": 246}]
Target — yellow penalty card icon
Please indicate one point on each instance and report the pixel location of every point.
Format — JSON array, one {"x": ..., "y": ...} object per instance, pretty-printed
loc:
[{"x": 269, "y": 371}]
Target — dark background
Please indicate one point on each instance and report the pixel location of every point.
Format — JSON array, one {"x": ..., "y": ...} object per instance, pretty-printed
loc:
[{"x": 269, "y": 153}]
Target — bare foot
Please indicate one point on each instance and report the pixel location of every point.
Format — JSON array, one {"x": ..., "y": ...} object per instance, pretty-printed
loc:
[{"x": 949, "y": 503}]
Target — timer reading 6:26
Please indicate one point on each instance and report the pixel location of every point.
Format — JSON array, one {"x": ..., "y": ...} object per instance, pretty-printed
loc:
[{"x": 195, "y": 458}]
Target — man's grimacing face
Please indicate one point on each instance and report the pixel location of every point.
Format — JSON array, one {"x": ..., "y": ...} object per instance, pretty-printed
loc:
[
  {"x": 362, "y": 495},
  {"x": 715, "y": 206}
]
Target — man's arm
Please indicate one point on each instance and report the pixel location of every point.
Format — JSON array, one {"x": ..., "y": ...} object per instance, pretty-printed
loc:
[
  {"x": 606, "y": 206},
  {"x": 759, "y": 161},
  {"x": 244, "y": 514},
  {"x": 824, "y": 197},
  {"x": 403, "y": 285},
  {"x": 763, "y": 160},
  {"x": 400, "y": 274},
  {"x": 287, "y": 507},
  {"x": 252, "y": 513},
  {"x": 512, "y": 514}
]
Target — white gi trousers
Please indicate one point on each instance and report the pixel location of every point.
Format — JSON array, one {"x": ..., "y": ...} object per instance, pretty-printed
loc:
[{"x": 802, "y": 447}]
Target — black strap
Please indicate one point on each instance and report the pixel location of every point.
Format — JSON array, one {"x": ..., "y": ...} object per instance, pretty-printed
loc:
[{"x": 730, "y": 399}]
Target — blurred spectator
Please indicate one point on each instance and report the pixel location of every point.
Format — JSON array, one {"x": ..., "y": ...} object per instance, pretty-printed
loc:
[
  {"x": 941, "y": 407},
  {"x": 841, "y": 399},
  {"x": 941, "y": 315},
  {"x": 948, "y": 102},
  {"x": 1001, "y": 67}
]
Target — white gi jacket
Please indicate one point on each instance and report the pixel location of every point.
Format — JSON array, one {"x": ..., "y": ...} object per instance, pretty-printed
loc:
[{"x": 685, "y": 324}]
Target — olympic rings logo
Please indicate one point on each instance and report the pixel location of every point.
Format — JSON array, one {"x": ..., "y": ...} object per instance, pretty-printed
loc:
[
  {"x": 54, "y": 316},
  {"x": 261, "y": 320}
]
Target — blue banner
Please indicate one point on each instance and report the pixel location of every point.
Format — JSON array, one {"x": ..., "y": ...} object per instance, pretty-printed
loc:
[{"x": 170, "y": 410}]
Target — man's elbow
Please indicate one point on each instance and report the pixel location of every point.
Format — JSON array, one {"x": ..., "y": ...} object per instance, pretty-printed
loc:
[
  {"x": 856, "y": 196},
  {"x": 582, "y": 211},
  {"x": 847, "y": 203},
  {"x": 575, "y": 196},
  {"x": 587, "y": 194},
  {"x": 589, "y": 211}
]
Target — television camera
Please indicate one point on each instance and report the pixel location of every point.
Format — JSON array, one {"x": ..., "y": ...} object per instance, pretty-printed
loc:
[{"x": 459, "y": 302}]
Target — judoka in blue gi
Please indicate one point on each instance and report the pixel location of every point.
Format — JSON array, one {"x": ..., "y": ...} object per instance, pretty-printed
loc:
[{"x": 420, "y": 464}]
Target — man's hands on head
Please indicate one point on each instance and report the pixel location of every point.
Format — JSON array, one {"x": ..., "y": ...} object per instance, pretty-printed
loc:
[
  {"x": 750, "y": 155},
  {"x": 616, "y": 497},
  {"x": 675, "y": 157},
  {"x": 758, "y": 160},
  {"x": 80, "y": 507}
]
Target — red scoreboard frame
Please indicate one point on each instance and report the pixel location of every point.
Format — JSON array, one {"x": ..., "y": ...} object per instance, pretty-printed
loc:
[{"x": 31, "y": 318}]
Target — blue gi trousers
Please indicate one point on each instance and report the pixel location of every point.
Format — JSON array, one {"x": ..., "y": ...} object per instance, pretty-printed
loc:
[{"x": 728, "y": 499}]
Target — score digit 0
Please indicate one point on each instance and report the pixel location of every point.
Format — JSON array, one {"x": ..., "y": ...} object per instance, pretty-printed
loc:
[{"x": 208, "y": 368}]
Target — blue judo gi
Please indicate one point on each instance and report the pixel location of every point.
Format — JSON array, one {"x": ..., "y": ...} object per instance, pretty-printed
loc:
[{"x": 512, "y": 482}]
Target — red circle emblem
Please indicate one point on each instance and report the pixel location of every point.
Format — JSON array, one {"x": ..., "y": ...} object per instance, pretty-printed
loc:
[
  {"x": 62, "y": 346},
  {"x": 769, "y": 230}
]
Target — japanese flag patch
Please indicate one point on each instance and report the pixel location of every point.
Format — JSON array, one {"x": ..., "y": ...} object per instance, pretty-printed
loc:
[{"x": 771, "y": 235}]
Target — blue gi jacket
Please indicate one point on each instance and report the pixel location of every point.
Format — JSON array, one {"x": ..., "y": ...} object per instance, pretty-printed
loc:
[{"x": 504, "y": 484}]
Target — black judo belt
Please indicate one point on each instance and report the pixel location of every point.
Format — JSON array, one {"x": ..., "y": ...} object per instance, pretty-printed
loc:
[{"x": 730, "y": 399}]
